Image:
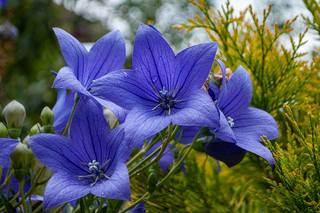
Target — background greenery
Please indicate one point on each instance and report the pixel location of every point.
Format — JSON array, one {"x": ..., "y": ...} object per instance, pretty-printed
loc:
[{"x": 286, "y": 84}]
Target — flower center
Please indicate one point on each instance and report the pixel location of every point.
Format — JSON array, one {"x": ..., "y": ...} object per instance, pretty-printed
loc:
[
  {"x": 230, "y": 121},
  {"x": 166, "y": 101},
  {"x": 96, "y": 171}
]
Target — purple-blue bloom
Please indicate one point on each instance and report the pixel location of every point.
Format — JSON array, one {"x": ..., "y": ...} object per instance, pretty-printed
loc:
[
  {"x": 241, "y": 125},
  {"x": 7, "y": 145},
  {"x": 106, "y": 55},
  {"x": 162, "y": 87},
  {"x": 91, "y": 160}
]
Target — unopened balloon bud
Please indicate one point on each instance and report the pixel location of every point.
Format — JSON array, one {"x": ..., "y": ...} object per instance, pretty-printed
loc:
[{"x": 14, "y": 114}]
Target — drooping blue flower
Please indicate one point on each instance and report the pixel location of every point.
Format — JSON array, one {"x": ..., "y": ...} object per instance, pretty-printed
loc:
[
  {"x": 166, "y": 159},
  {"x": 241, "y": 126},
  {"x": 91, "y": 160},
  {"x": 106, "y": 55},
  {"x": 7, "y": 145},
  {"x": 162, "y": 87}
]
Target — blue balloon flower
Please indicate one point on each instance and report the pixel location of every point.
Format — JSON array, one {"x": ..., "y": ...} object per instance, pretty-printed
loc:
[
  {"x": 241, "y": 126},
  {"x": 106, "y": 55},
  {"x": 162, "y": 87},
  {"x": 91, "y": 160}
]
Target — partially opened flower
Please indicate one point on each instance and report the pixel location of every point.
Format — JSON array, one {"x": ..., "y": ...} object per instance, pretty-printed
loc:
[
  {"x": 248, "y": 124},
  {"x": 162, "y": 88},
  {"x": 107, "y": 54},
  {"x": 92, "y": 160},
  {"x": 241, "y": 126}
]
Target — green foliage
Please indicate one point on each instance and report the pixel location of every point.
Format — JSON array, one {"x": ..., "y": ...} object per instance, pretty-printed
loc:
[
  {"x": 199, "y": 188},
  {"x": 296, "y": 187}
]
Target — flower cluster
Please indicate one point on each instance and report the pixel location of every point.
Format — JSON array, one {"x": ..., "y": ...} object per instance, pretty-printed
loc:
[{"x": 158, "y": 103}]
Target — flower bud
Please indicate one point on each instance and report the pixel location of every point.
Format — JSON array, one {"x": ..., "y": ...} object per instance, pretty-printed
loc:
[
  {"x": 3, "y": 131},
  {"x": 22, "y": 160},
  {"x": 46, "y": 116},
  {"x": 14, "y": 114},
  {"x": 36, "y": 129},
  {"x": 110, "y": 117}
]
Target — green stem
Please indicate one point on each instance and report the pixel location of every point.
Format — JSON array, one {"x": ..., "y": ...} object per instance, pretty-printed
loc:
[
  {"x": 66, "y": 129},
  {"x": 23, "y": 198},
  {"x": 172, "y": 171}
]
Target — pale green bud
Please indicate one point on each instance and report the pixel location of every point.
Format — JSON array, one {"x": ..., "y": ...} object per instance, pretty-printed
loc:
[
  {"x": 46, "y": 116},
  {"x": 14, "y": 114},
  {"x": 22, "y": 160}
]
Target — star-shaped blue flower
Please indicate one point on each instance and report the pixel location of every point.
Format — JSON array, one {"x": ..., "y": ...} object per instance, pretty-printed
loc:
[
  {"x": 162, "y": 87},
  {"x": 248, "y": 124},
  {"x": 106, "y": 55},
  {"x": 241, "y": 126},
  {"x": 91, "y": 160}
]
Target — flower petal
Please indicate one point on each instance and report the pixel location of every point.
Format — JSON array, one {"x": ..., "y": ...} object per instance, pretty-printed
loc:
[
  {"x": 118, "y": 111},
  {"x": 117, "y": 187},
  {"x": 194, "y": 65},
  {"x": 66, "y": 79},
  {"x": 54, "y": 151},
  {"x": 229, "y": 153},
  {"x": 236, "y": 94},
  {"x": 73, "y": 52},
  {"x": 188, "y": 134},
  {"x": 124, "y": 88},
  {"x": 149, "y": 123},
  {"x": 106, "y": 55},
  {"x": 224, "y": 132},
  {"x": 63, "y": 188},
  {"x": 62, "y": 109},
  {"x": 249, "y": 126},
  {"x": 153, "y": 58},
  {"x": 7, "y": 145},
  {"x": 197, "y": 110},
  {"x": 89, "y": 131}
]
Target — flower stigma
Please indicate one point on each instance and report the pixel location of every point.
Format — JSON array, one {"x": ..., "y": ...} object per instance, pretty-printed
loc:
[
  {"x": 96, "y": 171},
  {"x": 230, "y": 121}
]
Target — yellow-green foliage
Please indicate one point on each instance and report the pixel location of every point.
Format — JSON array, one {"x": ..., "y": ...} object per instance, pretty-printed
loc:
[
  {"x": 286, "y": 85},
  {"x": 278, "y": 73},
  {"x": 296, "y": 187}
]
